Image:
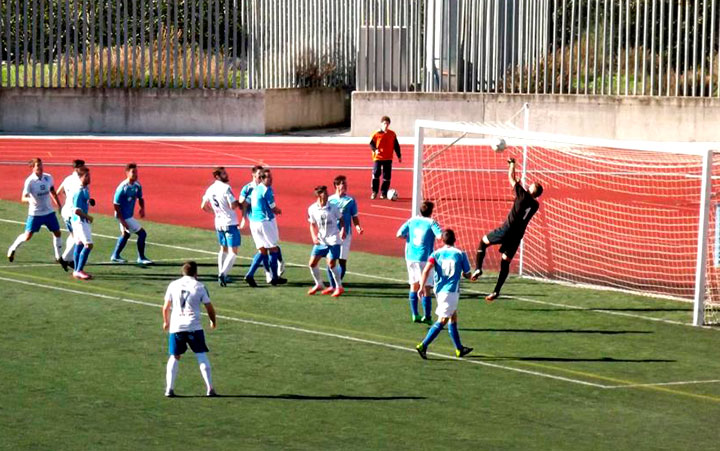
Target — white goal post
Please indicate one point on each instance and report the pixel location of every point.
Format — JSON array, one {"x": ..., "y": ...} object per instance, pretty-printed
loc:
[{"x": 625, "y": 215}]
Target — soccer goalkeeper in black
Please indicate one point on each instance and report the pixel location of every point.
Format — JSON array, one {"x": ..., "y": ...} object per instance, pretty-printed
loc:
[{"x": 510, "y": 234}]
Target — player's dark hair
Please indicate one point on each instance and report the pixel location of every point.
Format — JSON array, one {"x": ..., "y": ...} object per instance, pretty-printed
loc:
[
  {"x": 82, "y": 170},
  {"x": 426, "y": 208},
  {"x": 448, "y": 237},
  {"x": 385, "y": 119},
  {"x": 130, "y": 166},
  {"x": 78, "y": 163},
  {"x": 217, "y": 171},
  {"x": 538, "y": 189},
  {"x": 339, "y": 179},
  {"x": 265, "y": 173},
  {"x": 257, "y": 168},
  {"x": 320, "y": 189},
  {"x": 34, "y": 161},
  {"x": 189, "y": 268}
]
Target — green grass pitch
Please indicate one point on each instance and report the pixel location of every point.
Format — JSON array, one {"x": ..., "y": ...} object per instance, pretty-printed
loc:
[{"x": 82, "y": 364}]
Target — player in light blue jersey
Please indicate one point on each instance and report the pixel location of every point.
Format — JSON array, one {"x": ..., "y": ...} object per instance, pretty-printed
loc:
[
  {"x": 449, "y": 264},
  {"x": 244, "y": 200},
  {"x": 264, "y": 229},
  {"x": 127, "y": 193},
  {"x": 81, "y": 225},
  {"x": 348, "y": 207},
  {"x": 420, "y": 233}
]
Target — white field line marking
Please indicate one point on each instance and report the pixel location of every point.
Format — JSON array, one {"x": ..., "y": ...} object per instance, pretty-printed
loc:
[
  {"x": 404, "y": 210},
  {"x": 129, "y": 263},
  {"x": 470, "y": 290},
  {"x": 406, "y": 140},
  {"x": 312, "y": 332},
  {"x": 659, "y": 384}
]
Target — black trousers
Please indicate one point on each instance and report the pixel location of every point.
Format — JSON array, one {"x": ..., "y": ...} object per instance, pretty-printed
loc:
[{"x": 384, "y": 168}]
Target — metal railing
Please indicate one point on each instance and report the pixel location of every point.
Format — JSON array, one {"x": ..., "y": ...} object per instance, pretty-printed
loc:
[{"x": 602, "y": 47}]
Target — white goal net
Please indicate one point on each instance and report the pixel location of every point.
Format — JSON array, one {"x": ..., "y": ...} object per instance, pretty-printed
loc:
[{"x": 633, "y": 216}]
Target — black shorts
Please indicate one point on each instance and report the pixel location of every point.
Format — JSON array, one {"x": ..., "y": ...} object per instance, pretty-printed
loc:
[{"x": 508, "y": 239}]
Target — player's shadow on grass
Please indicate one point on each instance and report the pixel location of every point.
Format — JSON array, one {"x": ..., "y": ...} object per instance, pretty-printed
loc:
[
  {"x": 610, "y": 309},
  {"x": 567, "y": 359},
  {"x": 296, "y": 397},
  {"x": 560, "y": 331}
]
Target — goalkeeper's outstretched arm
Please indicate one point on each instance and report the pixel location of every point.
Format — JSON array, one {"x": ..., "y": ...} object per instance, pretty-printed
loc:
[{"x": 511, "y": 172}]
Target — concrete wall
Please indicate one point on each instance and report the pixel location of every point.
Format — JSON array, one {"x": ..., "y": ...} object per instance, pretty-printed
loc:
[
  {"x": 641, "y": 118},
  {"x": 161, "y": 111}
]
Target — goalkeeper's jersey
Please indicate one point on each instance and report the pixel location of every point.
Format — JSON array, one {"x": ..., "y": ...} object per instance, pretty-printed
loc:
[{"x": 523, "y": 209}]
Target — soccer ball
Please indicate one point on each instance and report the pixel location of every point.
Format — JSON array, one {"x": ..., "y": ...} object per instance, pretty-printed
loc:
[
  {"x": 498, "y": 144},
  {"x": 392, "y": 194}
]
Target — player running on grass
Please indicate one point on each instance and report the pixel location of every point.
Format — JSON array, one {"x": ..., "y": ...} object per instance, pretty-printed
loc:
[
  {"x": 448, "y": 263},
  {"x": 69, "y": 186},
  {"x": 181, "y": 318},
  {"x": 81, "y": 220},
  {"x": 348, "y": 207},
  {"x": 263, "y": 228},
  {"x": 327, "y": 229},
  {"x": 420, "y": 233},
  {"x": 219, "y": 199},
  {"x": 244, "y": 199},
  {"x": 510, "y": 234},
  {"x": 127, "y": 193},
  {"x": 38, "y": 191}
]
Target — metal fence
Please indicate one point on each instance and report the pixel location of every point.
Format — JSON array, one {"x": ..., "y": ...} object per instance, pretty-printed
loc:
[{"x": 607, "y": 47}]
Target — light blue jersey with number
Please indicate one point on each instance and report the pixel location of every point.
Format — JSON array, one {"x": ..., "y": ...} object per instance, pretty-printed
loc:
[
  {"x": 449, "y": 263},
  {"x": 81, "y": 200},
  {"x": 348, "y": 208},
  {"x": 420, "y": 234},
  {"x": 125, "y": 196},
  {"x": 262, "y": 202}
]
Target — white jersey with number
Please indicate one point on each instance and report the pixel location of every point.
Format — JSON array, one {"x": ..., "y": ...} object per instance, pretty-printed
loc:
[
  {"x": 186, "y": 295},
  {"x": 221, "y": 198},
  {"x": 326, "y": 218},
  {"x": 39, "y": 190},
  {"x": 70, "y": 185}
]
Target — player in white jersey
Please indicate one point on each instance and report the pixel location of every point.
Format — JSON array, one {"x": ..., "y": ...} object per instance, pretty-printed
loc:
[
  {"x": 219, "y": 199},
  {"x": 69, "y": 186},
  {"x": 181, "y": 318},
  {"x": 327, "y": 229},
  {"x": 38, "y": 191},
  {"x": 349, "y": 210}
]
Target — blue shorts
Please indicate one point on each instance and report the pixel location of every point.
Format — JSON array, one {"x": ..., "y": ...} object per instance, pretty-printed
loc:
[
  {"x": 49, "y": 220},
  {"x": 178, "y": 342},
  {"x": 321, "y": 250},
  {"x": 229, "y": 237},
  {"x": 68, "y": 225}
]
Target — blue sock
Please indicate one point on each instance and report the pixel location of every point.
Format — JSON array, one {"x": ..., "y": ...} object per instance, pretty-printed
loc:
[
  {"x": 414, "y": 303},
  {"x": 274, "y": 264},
  {"x": 141, "y": 243},
  {"x": 120, "y": 245},
  {"x": 258, "y": 259},
  {"x": 343, "y": 268},
  {"x": 266, "y": 265},
  {"x": 279, "y": 254},
  {"x": 427, "y": 306},
  {"x": 331, "y": 279},
  {"x": 455, "y": 335},
  {"x": 83, "y": 258},
  {"x": 432, "y": 334},
  {"x": 76, "y": 255}
]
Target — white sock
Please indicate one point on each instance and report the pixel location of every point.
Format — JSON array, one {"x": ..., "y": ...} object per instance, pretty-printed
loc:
[
  {"x": 221, "y": 260},
  {"x": 69, "y": 248},
  {"x": 228, "y": 263},
  {"x": 57, "y": 246},
  {"x": 336, "y": 275},
  {"x": 18, "y": 241},
  {"x": 171, "y": 373},
  {"x": 205, "y": 369},
  {"x": 315, "y": 271}
]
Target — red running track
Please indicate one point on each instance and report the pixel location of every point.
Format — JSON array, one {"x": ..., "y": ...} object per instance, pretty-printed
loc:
[{"x": 175, "y": 174}]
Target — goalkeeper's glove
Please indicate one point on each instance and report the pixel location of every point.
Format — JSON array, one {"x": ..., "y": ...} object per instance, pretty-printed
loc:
[{"x": 511, "y": 160}]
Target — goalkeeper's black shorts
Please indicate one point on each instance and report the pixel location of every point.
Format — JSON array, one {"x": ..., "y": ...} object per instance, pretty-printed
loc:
[{"x": 508, "y": 238}]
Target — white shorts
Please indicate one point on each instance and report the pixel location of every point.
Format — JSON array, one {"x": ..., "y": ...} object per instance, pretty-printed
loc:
[
  {"x": 415, "y": 270},
  {"x": 133, "y": 226},
  {"x": 82, "y": 232},
  {"x": 264, "y": 233},
  {"x": 345, "y": 247},
  {"x": 447, "y": 304}
]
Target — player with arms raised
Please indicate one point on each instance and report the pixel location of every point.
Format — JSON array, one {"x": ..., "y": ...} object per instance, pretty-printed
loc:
[
  {"x": 448, "y": 264},
  {"x": 420, "y": 233},
  {"x": 327, "y": 229},
  {"x": 219, "y": 199},
  {"x": 510, "y": 234},
  {"x": 38, "y": 191},
  {"x": 127, "y": 193},
  {"x": 181, "y": 318}
]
